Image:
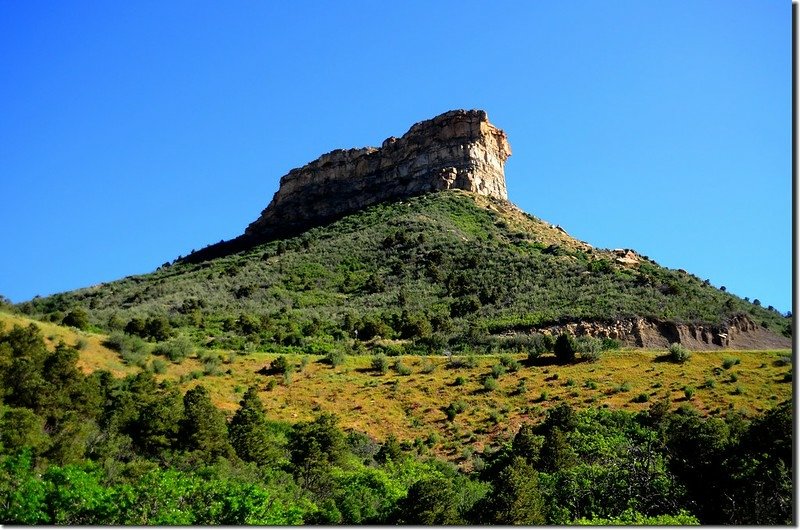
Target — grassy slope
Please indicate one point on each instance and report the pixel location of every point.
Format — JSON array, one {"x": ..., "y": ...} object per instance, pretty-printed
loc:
[
  {"x": 427, "y": 255},
  {"x": 411, "y": 406},
  {"x": 93, "y": 355}
]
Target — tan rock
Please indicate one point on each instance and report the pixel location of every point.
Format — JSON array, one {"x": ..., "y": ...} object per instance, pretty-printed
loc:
[{"x": 458, "y": 149}]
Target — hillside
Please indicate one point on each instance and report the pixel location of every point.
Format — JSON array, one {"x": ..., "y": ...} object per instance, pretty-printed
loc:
[{"x": 445, "y": 271}]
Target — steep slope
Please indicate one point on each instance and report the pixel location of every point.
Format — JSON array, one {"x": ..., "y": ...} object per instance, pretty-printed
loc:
[{"x": 448, "y": 270}]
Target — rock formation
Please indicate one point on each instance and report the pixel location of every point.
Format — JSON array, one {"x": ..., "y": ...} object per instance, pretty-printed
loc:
[
  {"x": 458, "y": 149},
  {"x": 738, "y": 332}
]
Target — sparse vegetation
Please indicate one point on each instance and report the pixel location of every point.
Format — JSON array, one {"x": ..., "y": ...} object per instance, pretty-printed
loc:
[{"x": 678, "y": 354}]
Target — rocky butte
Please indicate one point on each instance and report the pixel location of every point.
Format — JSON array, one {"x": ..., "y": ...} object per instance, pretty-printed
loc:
[{"x": 459, "y": 149}]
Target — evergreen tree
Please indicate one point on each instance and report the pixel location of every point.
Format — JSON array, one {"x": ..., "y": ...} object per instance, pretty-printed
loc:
[
  {"x": 203, "y": 427},
  {"x": 430, "y": 501},
  {"x": 248, "y": 431},
  {"x": 516, "y": 497}
]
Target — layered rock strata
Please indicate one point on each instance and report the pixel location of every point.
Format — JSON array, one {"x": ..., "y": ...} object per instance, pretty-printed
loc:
[
  {"x": 739, "y": 332},
  {"x": 458, "y": 149}
]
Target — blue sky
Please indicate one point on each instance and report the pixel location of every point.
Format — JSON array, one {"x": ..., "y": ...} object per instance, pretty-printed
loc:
[{"x": 134, "y": 132}]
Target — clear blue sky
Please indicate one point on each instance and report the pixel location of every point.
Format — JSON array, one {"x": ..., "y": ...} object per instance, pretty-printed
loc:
[{"x": 134, "y": 132}]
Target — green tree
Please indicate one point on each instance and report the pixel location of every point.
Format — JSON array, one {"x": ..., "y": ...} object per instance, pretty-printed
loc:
[
  {"x": 430, "y": 501},
  {"x": 77, "y": 318},
  {"x": 564, "y": 349},
  {"x": 248, "y": 431},
  {"x": 516, "y": 497},
  {"x": 556, "y": 452},
  {"x": 314, "y": 447},
  {"x": 203, "y": 427}
]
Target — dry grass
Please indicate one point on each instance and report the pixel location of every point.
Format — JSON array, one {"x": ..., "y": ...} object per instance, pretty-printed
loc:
[
  {"x": 411, "y": 406},
  {"x": 93, "y": 356}
]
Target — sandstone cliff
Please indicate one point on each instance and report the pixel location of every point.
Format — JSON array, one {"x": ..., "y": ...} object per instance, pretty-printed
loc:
[
  {"x": 458, "y": 149},
  {"x": 738, "y": 332}
]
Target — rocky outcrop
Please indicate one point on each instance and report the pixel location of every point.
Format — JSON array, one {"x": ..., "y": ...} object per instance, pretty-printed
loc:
[
  {"x": 739, "y": 332},
  {"x": 458, "y": 149}
]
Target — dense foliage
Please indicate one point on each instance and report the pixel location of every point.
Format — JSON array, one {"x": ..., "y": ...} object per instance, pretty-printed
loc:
[
  {"x": 96, "y": 450},
  {"x": 437, "y": 272}
]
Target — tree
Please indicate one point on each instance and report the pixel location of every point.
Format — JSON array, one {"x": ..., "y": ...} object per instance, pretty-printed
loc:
[
  {"x": 314, "y": 447},
  {"x": 77, "y": 318},
  {"x": 430, "y": 501},
  {"x": 516, "y": 497},
  {"x": 564, "y": 348},
  {"x": 248, "y": 431},
  {"x": 203, "y": 427},
  {"x": 556, "y": 452}
]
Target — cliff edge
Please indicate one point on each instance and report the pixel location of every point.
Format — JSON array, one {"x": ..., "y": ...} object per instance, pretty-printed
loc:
[{"x": 457, "y": 149}]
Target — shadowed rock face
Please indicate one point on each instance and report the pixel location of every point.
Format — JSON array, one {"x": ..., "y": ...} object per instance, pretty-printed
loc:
[{"x": 458, "y": 149}]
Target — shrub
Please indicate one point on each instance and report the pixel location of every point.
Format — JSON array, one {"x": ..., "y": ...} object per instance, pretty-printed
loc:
[
  {"x": 564, "y": 348},
  {"x": 380, "y": 363},
  {"x": 688, "y": 392},
  {"x": 335, "y": 358},
  {"x": 710, "y": 383},
  {"x": 401, "y": 368},
  {"x": 159, "y": 366},
  {"x": 678, "y": 354},
  {"x": 77, "y": 318},
  {"x": 81, "y": 343},
  {"x": 498, "y": 370},
  {"x": 727, "y": 362},
  {"x": 509, "y": 363},
  {"x": 589, "y": 348},
  {"x": 641, "y": 398},
  {"x": 427, "y": 367},
  {"x": 280, "y": 365},
  {"x": 490, "y": 384},
  {"x": 610, "y": 344},
  {"x": 176, "y": 350},
  {"x": 453, "y": 409},
  {"x": 459, "y": 381}
]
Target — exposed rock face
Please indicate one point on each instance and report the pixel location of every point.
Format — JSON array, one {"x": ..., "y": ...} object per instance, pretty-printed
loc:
[
  {"x": 738, "y": 332},
  {"x": 458, "y": 149}
]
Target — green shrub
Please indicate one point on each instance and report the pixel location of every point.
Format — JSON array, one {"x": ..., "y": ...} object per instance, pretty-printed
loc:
[
  {"x": 678, "y": 354},
  {"x": 280, "y": 365},
  {"x": 176, "y": 349},
  {"x": 710, "y": 383},
  {"x": 498, "y": 370},
  {"x": 490, "y": 384},
  {"x": 459, "y": 381},
  {"x": 380, "y": 363},
  {"x": 641, "y": 398},
  {"x": 509, "y": 363},
  {"x": 453, "y": 409},
  {"x": 334, "y": 358},
  {"x": 688, "y": 391},
  {"x": 589, "y": 348},
  {"x": 159, "y": 366},
  {"x": 81, "y": 343},
  {"x": 401, "y": 368},
  {"x": 427, "y": 367},
  {"x": 728, "y": 362},
  {"x": 77, "y": 318}
]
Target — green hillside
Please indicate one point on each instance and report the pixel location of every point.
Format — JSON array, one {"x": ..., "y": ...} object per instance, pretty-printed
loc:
[{"x": 446, "y": 271}]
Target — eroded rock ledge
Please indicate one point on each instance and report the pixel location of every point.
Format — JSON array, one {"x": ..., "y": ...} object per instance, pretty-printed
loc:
[
  {"x": 739, "y": 332},
  {"x": 458, "y": 149}
]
